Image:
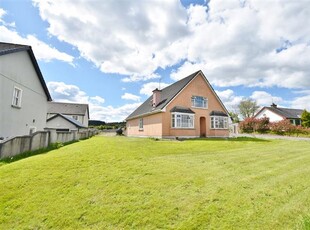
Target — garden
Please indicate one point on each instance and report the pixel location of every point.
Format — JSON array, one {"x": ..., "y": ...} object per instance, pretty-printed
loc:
[{"x": 135, "y": 183}]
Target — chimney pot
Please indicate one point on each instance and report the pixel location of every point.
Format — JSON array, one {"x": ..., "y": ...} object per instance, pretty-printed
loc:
[{"x": 274, "y": 105}]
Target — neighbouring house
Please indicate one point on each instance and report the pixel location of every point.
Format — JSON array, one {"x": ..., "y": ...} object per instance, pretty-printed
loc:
[
  {"x": 275, "y": 113},
  {"x": 188, "y": 108},
  {"x": 63, "y": 112},
  {"x": 23, "y": 92},
  {"x": 64, "y": 123}
]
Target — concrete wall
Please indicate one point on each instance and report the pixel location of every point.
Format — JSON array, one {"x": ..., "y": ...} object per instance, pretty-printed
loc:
[
  {"x": 22, "y": 144},
  {"x": 16, "y": 70},
  {"x": 40, "y": 140}
]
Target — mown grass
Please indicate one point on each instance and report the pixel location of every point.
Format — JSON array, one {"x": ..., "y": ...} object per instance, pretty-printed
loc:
[{"x": 130, "y": 183}]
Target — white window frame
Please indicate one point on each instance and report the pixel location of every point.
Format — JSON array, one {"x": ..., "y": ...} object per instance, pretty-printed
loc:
[
  {"x": 217, "y": 121},
  {"x": 194, "y": 103},
  {"x": 141, "y": 124},
  {"x": 177, "y": 121},
  {"x": 17, "y": 97}
]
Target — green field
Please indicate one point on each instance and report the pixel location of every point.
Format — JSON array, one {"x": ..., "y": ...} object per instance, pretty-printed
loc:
[{"x": 131, "y": 183}]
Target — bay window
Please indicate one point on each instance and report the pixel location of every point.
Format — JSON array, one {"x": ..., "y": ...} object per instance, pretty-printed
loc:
[
  {"x": 219, "y": 122},
  {"x": 182, "y": 120}
]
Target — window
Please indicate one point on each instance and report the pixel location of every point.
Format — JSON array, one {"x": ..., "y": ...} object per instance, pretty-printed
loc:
[
  {"x": 218, "y": 122},
  {"x": 17, "y": 97},
  {"x": 199, "y": 102},
  {"x": 141, "y": 124},
  {"x": 75, "y": 117},
  {"x": 182, "y": 120}
]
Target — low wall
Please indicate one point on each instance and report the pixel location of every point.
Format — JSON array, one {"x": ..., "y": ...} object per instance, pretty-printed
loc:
[{"x": 39, "y": 140}]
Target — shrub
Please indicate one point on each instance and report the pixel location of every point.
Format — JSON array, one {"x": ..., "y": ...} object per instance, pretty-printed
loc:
[
  {"x": 282, "y": 127},
  {"x": 250, "y": 125},
  {"x": 261, "y": 125},
  {"x": 119, "y": 131},
  {"x": 247, "y": 125}
]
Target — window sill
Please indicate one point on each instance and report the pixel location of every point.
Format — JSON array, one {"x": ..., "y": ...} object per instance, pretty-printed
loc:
[
  {"x": 199, "y": 107},
  {"x": 141, "y": 130},
  {"x": 15, "y": 106},
  {"x": 182, "y": 128},
  {"x": 219, "y": 128}
]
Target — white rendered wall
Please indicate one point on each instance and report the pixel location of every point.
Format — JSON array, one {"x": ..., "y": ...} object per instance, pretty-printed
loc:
[
  {"x": 60, "y": 123},
  {"x": 271, "y": 115},
  {"x": 16, "y": 69}
]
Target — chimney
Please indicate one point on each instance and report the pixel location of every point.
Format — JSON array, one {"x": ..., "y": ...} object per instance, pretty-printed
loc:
[
  {"x": 156, "y": 97},
  {"x": 273, "y": 105}
]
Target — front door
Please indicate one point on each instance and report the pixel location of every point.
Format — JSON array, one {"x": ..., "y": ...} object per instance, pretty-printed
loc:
[{"x": 203, "y": 127}]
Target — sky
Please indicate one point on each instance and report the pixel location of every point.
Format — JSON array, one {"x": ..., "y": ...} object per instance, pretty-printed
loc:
[{"x": 112, "y": 54}]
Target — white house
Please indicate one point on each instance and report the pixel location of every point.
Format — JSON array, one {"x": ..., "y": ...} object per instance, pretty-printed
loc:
[
  {"x": 23, "y": 92},
  {"x": 275, "y": 113},
  {"x": 64, "y": 123},
  {"x": 79, "y": 112}
]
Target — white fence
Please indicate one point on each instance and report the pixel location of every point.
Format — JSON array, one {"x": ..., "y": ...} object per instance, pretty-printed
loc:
[{"x": 39, "y": 140}]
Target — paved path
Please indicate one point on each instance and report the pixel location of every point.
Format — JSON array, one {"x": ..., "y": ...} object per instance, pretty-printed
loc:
[{"x": 268, "y": 136}]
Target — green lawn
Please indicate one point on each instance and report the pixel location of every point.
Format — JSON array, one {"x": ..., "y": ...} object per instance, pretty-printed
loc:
[{"x": 131, "y": 183}]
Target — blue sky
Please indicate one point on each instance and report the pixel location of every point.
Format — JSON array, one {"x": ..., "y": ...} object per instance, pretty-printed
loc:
[{"x": 112, "y": 54}]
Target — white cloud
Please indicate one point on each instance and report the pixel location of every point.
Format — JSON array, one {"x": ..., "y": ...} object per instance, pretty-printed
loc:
[
  {"x": 67, "y": 93},
  {"x": 71, "y": 93},
  {"x": 147, "y": 89},
  {"x": 229, "y": 99},
  {"x": 41, "y": 50},
  {"x": 96, "y": 100},
  {"x": 123, "y": 38},
  {"x": 129, "y": 96},
  {"x": 263, "y": 98},
  {"x": 233, "y": 42},
  {"x": 110, "y": 113},
  {"x": 302, "y": 102}
]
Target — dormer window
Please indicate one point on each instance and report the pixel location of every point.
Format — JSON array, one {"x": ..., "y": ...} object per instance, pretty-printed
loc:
[{"x": 199, "y": 102}]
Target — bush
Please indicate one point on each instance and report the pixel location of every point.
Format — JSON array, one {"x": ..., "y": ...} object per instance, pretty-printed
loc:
[
  {"x": 250, "y": 125},
  {"x": 119, "y": 131},
  {"x": 261, "y": 125},
  {"x": 247, "y": 126},
  {"x": 282, "y": 127}
]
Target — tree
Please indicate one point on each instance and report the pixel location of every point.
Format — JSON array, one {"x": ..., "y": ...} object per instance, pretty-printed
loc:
[
  {"x": 305, "y": 119},
  {"x": 234, "y": 117},
  {"x": 247, "y": 108}
]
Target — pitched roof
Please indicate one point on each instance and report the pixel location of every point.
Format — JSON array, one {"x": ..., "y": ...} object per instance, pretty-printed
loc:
[
  {"x": 181, "y": 109},
  {"x": 7, "y": 48},
  {"x": 67, "y": 108},
  {"x": 218, "y": 113},
  {"x": 285, "y": 112},
  {"x": 168, "y": 94},
  {"x": 68, "y": 118}
]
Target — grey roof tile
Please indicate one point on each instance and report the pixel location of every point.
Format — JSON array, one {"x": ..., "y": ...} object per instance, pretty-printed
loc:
[
  {"x": 286, "y": 112},
  {"x": 68, "y": 118},
  {"x": 167, "y": 94},
  {"x": 181, "y": 109},
  {"x": 67, "y": 108}
]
